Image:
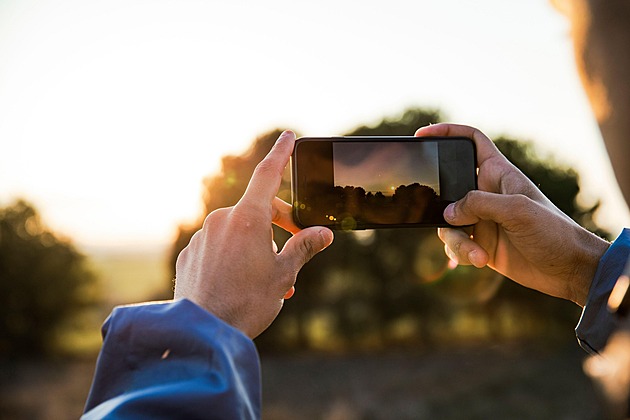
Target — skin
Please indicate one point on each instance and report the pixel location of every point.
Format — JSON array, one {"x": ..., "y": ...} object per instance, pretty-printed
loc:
[
  {"x": 601, "y": 35},
  {"x": 232, "y": 267},
  {"x": 516, "y": 230}
]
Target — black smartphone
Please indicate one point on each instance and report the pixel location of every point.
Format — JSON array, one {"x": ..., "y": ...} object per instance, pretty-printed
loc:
[{"x": 372, "y": 182}]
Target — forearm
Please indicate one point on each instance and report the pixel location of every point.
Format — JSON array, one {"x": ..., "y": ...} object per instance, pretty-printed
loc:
[{"x": 174, "y": 360}]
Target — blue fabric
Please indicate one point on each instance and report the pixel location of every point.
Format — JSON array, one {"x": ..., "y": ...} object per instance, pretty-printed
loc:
[
  {"x": 597, "y": 323},
  {"x": 174, "y": 360}
]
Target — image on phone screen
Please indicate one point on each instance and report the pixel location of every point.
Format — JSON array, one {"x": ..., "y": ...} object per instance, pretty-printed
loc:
[
  {"x": 386, "y": 182},
  {"x": 355, "y": 183}
]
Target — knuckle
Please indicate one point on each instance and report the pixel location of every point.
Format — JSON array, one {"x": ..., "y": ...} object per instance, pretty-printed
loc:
[
  {"x": 522, "y": 215},
  {"x": 521, "y": 200},
  {"x": 477, "y": 133},
  {"x": 455, "y": 242},
  {"x": 456, "y": 246},
  {"x": 470, "y": 200},
  {"x": 307, "y": 251},
  {"x": 267, "y": 166},
  {"x": 472, "y": 197},
  {"x": 522, "y": 205},
  {"x": 215, "y": 216}
]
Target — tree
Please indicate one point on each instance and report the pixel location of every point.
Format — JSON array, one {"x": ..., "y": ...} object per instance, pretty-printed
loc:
[
  {"x": 44, "y": 282},
  {"x": 369, "y": 289},
  {"x": 401, "y": 125},
  {"x": 558, "y": 182}
]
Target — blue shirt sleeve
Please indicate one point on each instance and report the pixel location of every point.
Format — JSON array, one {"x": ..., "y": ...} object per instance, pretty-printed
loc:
[
  {"x": 174, "y": 360},
  {"x": 597, "y": 323}
]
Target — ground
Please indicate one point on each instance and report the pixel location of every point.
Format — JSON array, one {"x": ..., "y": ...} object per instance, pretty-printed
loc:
[
  {"x": 498, "y": 382},
  {"x": 506, "y": 381}
]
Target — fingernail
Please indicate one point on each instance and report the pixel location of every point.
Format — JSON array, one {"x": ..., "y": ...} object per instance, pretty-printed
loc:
[
  {"x": 326, "y": 235},
  {"x": 449, "y": 212},
  {"x": 474, "y": 258}
]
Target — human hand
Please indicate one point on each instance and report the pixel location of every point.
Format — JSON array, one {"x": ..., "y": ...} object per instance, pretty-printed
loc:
[
  {"x": 516, "y": 230},
  {"x": 232, "y": 266}
]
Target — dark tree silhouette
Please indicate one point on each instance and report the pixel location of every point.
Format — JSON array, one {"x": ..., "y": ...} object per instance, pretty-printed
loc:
[
  {"x": 44, "y": 282},
  {"x": 412, "y": 203}
]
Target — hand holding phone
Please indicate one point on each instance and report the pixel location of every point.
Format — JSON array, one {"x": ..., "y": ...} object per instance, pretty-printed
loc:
[{"x": 379, "y": 182}]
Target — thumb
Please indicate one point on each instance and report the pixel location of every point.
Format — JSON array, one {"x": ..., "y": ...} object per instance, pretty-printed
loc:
[
  {"x": 304, "y": 245},
  {"x": 481, "y": 205}
]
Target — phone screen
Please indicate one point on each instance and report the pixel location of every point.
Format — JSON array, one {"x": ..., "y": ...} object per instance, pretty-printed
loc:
[{"x": 371, "y": 182}]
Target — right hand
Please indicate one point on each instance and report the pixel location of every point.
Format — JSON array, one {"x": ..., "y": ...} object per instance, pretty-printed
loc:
[
  {"x": 516, "y": 230},
  {"x": 232, "y": 267}
]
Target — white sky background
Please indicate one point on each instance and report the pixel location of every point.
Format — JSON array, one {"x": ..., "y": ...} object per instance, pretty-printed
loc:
[{"x": 112, "y": 112}]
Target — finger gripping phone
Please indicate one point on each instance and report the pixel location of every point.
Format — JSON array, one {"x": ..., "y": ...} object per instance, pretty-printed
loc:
[{"x": 351, "y": 183}]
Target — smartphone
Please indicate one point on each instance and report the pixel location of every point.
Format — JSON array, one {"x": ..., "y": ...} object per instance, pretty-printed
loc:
[{"x": 351, "y": 183}]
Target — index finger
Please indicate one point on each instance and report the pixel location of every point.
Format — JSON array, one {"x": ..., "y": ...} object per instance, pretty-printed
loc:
[
  {"x": 282, "y": 216},
  {"x": 265, "y": 182},
  {"x": 485, "y": 147}
]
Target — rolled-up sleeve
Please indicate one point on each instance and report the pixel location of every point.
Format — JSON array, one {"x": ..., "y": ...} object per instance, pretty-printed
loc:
[
  {"x": 597, "y": 323},
  {"x": 174, "y": 360}
]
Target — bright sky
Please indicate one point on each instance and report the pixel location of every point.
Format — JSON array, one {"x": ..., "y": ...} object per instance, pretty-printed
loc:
[
  {"x": 112, "y": 112},
  {"x": 384, "y": 166}
]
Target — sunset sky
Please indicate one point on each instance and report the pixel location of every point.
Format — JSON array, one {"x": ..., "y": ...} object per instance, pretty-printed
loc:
[
  {"x": 112, "y": 112},
  {"x": 382, "y": 167}
]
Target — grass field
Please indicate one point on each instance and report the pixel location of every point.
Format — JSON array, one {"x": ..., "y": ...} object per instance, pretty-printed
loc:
[
  {"x": 131, "y": 277},
  {"x": 123, "y": 278},
  {"x": 483, "y": 381},
  {"x": 479, "y": 382}
]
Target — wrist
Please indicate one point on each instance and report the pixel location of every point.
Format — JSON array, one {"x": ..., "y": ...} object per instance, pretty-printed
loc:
[{"x": 590, "y": 249}]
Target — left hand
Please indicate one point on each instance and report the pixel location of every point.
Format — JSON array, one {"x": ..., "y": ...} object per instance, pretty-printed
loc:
[{"x": 516, "y": 230}]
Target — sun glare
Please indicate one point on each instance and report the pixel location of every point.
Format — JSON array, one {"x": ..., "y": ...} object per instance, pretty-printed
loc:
[{"x": 113, "y": 129}]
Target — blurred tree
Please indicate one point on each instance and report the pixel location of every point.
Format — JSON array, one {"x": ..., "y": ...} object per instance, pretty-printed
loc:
[
  {"x": 403, "y": 125},
  {"x": 558, "y": 182},
  {"x": 43, "y": 282},
  {"x": 374, "y": 288}
]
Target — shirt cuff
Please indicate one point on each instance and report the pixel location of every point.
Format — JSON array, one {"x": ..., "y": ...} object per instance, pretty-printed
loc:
[
  {"x": 177, "y": 356},
  {"x": 597, "y": 323}
]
